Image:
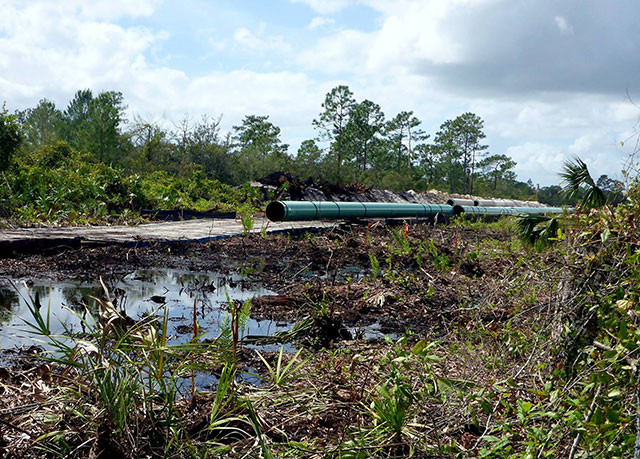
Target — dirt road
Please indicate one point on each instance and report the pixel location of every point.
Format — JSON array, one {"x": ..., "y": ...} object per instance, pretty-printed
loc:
[{"x": 204, "y": 230}]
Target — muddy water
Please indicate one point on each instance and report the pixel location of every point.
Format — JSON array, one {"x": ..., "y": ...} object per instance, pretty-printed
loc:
[{"x": 138, "y": 293}]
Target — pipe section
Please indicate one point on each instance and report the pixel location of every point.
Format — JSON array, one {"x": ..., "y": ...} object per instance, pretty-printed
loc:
[
  {"x": 462, "y": 202},
  {"x": 487, "y": 202},
  {"x": 285, "y": 211},
  {"x": 507, "y": 210},
  {"x": 280, "y": 211}
]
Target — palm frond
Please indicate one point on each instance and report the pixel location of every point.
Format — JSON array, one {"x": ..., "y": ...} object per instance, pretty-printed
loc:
[
  {"x": 537, "y": 231},
  {"x": 575, "y": 177}
]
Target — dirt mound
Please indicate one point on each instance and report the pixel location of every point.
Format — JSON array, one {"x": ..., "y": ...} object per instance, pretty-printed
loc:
[
  {"x": 282, "y": 185},
  {"x": 290, "y": 187}
]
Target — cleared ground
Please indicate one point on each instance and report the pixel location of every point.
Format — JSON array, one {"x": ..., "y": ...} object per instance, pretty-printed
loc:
[{"x": 204, "y": 230}]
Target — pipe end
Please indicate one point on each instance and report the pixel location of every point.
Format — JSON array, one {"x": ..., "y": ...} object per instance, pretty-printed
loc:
[{"x": 275, "y": 211}]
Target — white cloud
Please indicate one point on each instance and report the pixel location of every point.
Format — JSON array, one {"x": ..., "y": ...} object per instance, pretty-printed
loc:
[
  {"x": 562, "y": 24},
  {"x": 416, "y": 33},
  {"x": 55, "y": 50},
  {"x": 501, "y": 46},
  {"x": 18, "y": 90},
  {"x": 248, "y": 40},
  {"x": 344, "y": 51},
  {"x": 243, "y": 92},
  {"x": 94, "y": 10},
  {"x": 537, "y": 161},
  {"x": 411, "y": 32},
  {"x": 115, "y": 9},
  {"x": 581, "y": 145},
  {"x": 320, "y": 21},
  {"x": 326, "y": 6},
  {"x": 543, "y": 94}
]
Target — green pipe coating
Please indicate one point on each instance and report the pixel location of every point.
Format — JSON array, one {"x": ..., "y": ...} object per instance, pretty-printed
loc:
[
  {"x": 280, "y": 211},
  {"x": 284, "y": 211}
]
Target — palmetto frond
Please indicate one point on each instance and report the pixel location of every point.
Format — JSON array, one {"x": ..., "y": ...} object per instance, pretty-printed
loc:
[
  {"x": 537, "y": 230},
  {"x": 575, "y": 176}
]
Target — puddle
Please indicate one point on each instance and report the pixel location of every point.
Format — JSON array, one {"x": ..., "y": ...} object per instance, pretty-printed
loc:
[
  {"x": 144, "y": 292},
  {"x": 373, "y": 332},
  {"x": 138, "y": 293}
]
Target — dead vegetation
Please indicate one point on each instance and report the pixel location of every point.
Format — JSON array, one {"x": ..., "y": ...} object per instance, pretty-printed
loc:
[{"x": 474, "y": 318}]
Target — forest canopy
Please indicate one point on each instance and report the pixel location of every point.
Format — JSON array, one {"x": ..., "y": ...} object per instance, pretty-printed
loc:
[{"x": 88, "y": 159}]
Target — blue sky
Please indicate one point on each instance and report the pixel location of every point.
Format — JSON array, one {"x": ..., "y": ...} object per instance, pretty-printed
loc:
[{"x": 548, "y": 77}]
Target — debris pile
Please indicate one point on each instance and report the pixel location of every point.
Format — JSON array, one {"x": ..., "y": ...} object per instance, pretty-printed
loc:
[{"x": 283, "y": 186}]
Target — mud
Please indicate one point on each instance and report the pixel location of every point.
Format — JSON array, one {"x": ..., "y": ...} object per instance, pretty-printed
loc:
[{"x": 330, "y": 269}]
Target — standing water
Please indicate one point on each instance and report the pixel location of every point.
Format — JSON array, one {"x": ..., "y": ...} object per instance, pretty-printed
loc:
[{"x": 138, "y": 294}]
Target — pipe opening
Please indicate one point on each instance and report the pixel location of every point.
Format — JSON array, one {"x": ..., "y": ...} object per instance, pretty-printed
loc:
[{"x": 275, "y": 211}]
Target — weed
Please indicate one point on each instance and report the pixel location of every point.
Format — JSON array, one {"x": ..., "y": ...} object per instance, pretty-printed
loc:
[
  {"x": 134, "y": 377},
  {"x": 225, "y": 409},
  {"x": 247, "y": 224},
  {"x": 375, "y": 266},
  {"x": 390, "y": 407},
  {"x": 280, "y": 374},
  {"x": 402, "y": 244},
  {"x": 440, "y": 260},
  {"x": 255, "y": 423},
  {"x": 234, "y": 324}
]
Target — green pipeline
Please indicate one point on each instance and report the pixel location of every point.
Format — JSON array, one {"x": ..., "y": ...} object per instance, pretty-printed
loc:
[{"x": 282, "y": 211}]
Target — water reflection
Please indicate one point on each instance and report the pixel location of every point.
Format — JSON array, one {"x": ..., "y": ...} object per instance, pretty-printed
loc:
[{"x": 138, "y": 294}]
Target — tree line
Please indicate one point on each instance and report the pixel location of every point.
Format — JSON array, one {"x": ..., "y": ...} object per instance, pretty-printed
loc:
[{"x": 355, "y": 142}]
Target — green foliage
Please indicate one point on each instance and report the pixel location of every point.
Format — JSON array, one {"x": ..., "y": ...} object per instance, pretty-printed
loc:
[
  {"x": 375, "y": 266},
  {"x": 58, "y": 183},
  {"x": 93, "y": 123},
  {"x": 127, "y": 379},
  {"x": 255, "y": 423},
  {"x": 391, "y": 405},
  {"x": 42, "y": 125},
  {"x": 402, "y": 245},
  {"x": 280, "y": 374},
  {"x": 440, "y": 260},
  {"x": 193, "y": 164},
  {"x": 247, "y": 224},
  {"x": 332, "y": 124},
  {"x": 458, "y": 144},
  {"x": 10, "y": 137},
  {"x": 366, "y": 123},
  {"x": 226, "y": 409},
  {"x": 575, "y": 176},
  {"x": 538, "y": 231},
  {"x": 308, "y": 161},
  {"x": 258, "y": 149},
  {"x": 233, "y": 327},
  {"x": 592, "y": 395},
  {"x": 497, "y": 169},
  {"x": 163, "y": 191},
  {"x": 402, "y": 132}
]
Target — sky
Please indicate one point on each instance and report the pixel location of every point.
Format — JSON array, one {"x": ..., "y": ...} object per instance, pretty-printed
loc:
[{"x": 552, "y": 79}]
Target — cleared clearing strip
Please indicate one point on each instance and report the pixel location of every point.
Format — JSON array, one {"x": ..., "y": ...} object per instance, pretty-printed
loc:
[{"x": 204, "y": 230}]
